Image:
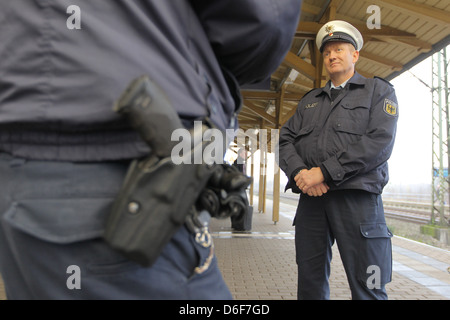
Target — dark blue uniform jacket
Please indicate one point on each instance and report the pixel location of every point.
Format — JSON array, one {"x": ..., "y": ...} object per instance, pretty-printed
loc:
[
  {"x": 58, "y": 84},
  {"x": 350, "y": 139}
]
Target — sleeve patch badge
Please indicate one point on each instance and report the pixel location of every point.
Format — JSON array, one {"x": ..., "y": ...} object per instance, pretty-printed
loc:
[{"x": 390, "y": 107}]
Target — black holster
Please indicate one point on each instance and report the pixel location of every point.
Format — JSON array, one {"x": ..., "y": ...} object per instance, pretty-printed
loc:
[
  {"x": 157, "y": 196},
  {"x": 154, "y": 202}
]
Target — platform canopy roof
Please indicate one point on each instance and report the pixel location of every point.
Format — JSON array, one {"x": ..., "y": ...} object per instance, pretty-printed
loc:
[{"x": 410, "y": 31}]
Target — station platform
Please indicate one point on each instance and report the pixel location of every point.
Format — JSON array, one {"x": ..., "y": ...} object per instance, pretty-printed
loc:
[{"x": 260, "y": 264}]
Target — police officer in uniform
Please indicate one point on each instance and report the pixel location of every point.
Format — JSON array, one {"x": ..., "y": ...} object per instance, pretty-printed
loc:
[{"x": 334, "y": 151}]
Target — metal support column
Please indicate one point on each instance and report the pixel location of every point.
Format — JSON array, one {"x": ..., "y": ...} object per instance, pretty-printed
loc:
[
  {"x": 252, "y": 174},
  {"x": 440, "y": 138}
]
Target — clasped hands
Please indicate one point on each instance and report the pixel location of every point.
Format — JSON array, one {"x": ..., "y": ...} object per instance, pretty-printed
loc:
[{"x": 311, "y": 182}]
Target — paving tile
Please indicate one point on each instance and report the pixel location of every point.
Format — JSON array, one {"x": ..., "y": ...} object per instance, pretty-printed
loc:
[{"x": 266, "y": 255}]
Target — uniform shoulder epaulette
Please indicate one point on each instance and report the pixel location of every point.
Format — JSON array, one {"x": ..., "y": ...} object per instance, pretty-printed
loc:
[
  {"x": 382, "y": 79},
  {"x": 309, "y": 92}
]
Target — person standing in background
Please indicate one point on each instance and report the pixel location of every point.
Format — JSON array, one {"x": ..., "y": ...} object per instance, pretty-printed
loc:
[
  {"x": 239, "y": 163},
  {"x": 334, "y": 151}
]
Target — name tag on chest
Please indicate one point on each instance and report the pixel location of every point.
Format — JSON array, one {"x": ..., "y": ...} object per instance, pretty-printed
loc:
[{"x": 311, "y": 105}]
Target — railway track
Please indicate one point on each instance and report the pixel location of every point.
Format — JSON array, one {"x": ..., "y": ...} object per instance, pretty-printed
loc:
[
  {"x": 406, "y": 217},
  {"x": 417, "y": 212}
]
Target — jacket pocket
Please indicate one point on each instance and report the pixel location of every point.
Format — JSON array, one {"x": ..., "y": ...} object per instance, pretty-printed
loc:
[
  {"x": 304, "y": 131},
  {"x": 61, "y": 221},
  {"x": 71, "y": 228},
  {"x": 352, "y": 126},
  {"x": 358, "y": 106},
  {"x": 359, "y": 113},
  {"x": 304, "y": 141},
  {"x": 375, "y": 256}
]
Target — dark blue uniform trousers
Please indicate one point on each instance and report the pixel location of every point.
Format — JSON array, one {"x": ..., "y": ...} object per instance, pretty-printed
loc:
[
  {"x": 355, "y": 219},
  {"x": 52, "y": 217}
]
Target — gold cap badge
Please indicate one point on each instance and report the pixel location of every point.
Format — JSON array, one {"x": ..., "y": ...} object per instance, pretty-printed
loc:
[{"x": 329, "y": 29}]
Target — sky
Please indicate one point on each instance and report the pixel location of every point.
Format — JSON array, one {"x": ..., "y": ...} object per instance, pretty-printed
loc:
[{"x": 411, "y": 159}]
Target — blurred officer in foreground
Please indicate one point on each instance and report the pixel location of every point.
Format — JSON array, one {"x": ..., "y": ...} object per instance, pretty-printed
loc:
[
  {"x": 334, "y": 151},
  {"x": 64, "y": 153}
]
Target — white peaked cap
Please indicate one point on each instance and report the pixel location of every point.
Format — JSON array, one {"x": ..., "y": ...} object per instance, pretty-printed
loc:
[{"x": 338, "y": 30}]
